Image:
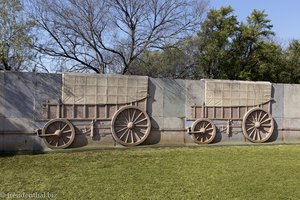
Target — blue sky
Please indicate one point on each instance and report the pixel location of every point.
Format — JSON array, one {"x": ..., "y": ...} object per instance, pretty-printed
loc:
[{"x": 284, "y": 14}]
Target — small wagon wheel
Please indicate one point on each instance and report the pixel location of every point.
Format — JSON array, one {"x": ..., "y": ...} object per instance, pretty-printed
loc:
[
  {"x": 58, "y": 133},
  {"x": 203, "y": 131},
  {"x": 258, "y": 125},
  {"x": 130, "y": 126}
]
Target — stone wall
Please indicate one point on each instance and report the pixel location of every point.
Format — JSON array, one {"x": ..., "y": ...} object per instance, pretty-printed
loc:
[{"x": 23, "y": 95}]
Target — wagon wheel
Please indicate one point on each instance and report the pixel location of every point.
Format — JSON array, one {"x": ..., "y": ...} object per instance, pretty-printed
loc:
[
  {"x": 203, "y": 131},
  {"x": 258, "y": 125},
  {"x": 58, "y": 134},
  {"x": 130, "y": 126}
]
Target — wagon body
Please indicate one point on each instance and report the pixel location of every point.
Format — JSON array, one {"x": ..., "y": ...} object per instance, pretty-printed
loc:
[{"x": 95, "y": 104}]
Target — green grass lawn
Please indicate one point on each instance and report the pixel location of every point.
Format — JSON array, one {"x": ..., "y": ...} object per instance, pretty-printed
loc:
[{"x": 227, "y": 172}]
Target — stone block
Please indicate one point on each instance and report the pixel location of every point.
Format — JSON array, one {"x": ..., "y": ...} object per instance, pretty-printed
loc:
[
  {"x": 195, "y": 91},
  {"x": 291, "y": 101},
  {"x": 48, "y": 90},
  {"x": 19, "y": 125},
  {"x": 277, "y": 105},
  {"x": 19, "y": 95},
  {"x": 174, "y": 98},
  {"x": 291, "y": 136},
  {"x": 172, "y": 138},
  {"x": 18, "y": 142},
  {"x": 156, "y": 96}
]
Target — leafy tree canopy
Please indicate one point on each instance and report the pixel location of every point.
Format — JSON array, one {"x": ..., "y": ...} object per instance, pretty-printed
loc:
[{"x": 16, "y": 37}]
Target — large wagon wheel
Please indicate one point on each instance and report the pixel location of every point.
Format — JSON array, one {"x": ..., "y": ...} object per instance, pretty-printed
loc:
[
  {"x": 203, "y": 131},
  {"x": 58, "y": 134},
  {"x": 130, "y": 126},
  {"x": 258, "y": 125}
]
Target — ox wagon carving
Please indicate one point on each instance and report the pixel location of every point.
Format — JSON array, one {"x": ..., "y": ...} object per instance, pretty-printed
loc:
[
  {"x": 114, "y": 105},
  {"x": 242, "y": 104}
]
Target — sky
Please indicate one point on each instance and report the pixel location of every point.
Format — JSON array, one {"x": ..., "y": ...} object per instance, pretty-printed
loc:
[{"x": 284, "y": 14}]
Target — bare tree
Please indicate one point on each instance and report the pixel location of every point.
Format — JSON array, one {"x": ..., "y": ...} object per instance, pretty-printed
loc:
[{"x": 108, "y": 35}]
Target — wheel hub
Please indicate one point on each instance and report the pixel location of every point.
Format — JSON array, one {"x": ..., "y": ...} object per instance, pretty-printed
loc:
[
  {"x": 58, "y": 132},
  {"x": 202, "y": 130},
  {"x": 257, "y": 124},
  {"x": 130, "y": 125}
]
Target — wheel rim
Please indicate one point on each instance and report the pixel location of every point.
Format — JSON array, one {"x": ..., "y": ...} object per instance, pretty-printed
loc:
[
  {"x": 130, "y": 126},
  {"x": 258, "y": 125},
  {"x": 62, "y": 134},
  {"x": 203, "y": 131}
]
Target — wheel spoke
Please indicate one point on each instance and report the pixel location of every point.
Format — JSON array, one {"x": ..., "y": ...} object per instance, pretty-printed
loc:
[
  {"x": 122, "y": 129},
  {"x": 265, "y": 125},
  {"x": 266, "y": 120},
  {"x": 127, "y": 136},
  {"x": 138, "y": 131},
  {"x": 263, "y": 117},
  {"x": 120, "y": 125},
  {"x": 206, "y": 138},
  {"x": 136, "y": 136},
  {"x": 124, "y": 123},
  {"x": 131, "y": 134},
  {"x": 252, "y": 122},
  {"x": 258, "y": 135},
  {"x": 56, "y": 144},
  {"x": 126, "y": 120},
  {"x": 68, "y": 131},
  {"x": 250, "y": 128},
  {"x": 124, "y": 134},
  {"x": 128, "y": 115},
  {"x": 209, "y": 133},
  {"x": 255, "y": 133},
  {"x": 140, "y": 121},
  {"x": 259, "y": 119},
  {"x": 64, "y": 127},
  {"x": 141, "y": 126},
  {"x": 51, "y": 141},
  {"x": 63, "y": 140},
  {"x": 207, "y": 125},
  {"x": 133, "y": 115},
  {"x": 264, "y": 131},
  {"x": 137, "y": 117},
  {"x": 253, "y": 119},
  {"x": 251, "y": 132}
]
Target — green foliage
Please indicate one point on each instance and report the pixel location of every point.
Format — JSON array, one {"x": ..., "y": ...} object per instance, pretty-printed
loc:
[
  {"x": 236, "y": 172},
  {"x": 176, "y": 62},
  {"x": 215, "y": 42},
  {"x": 15, "y": 36},
  {"x": 291, "y": 70},
  {"x": 229, "y": 49}
]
